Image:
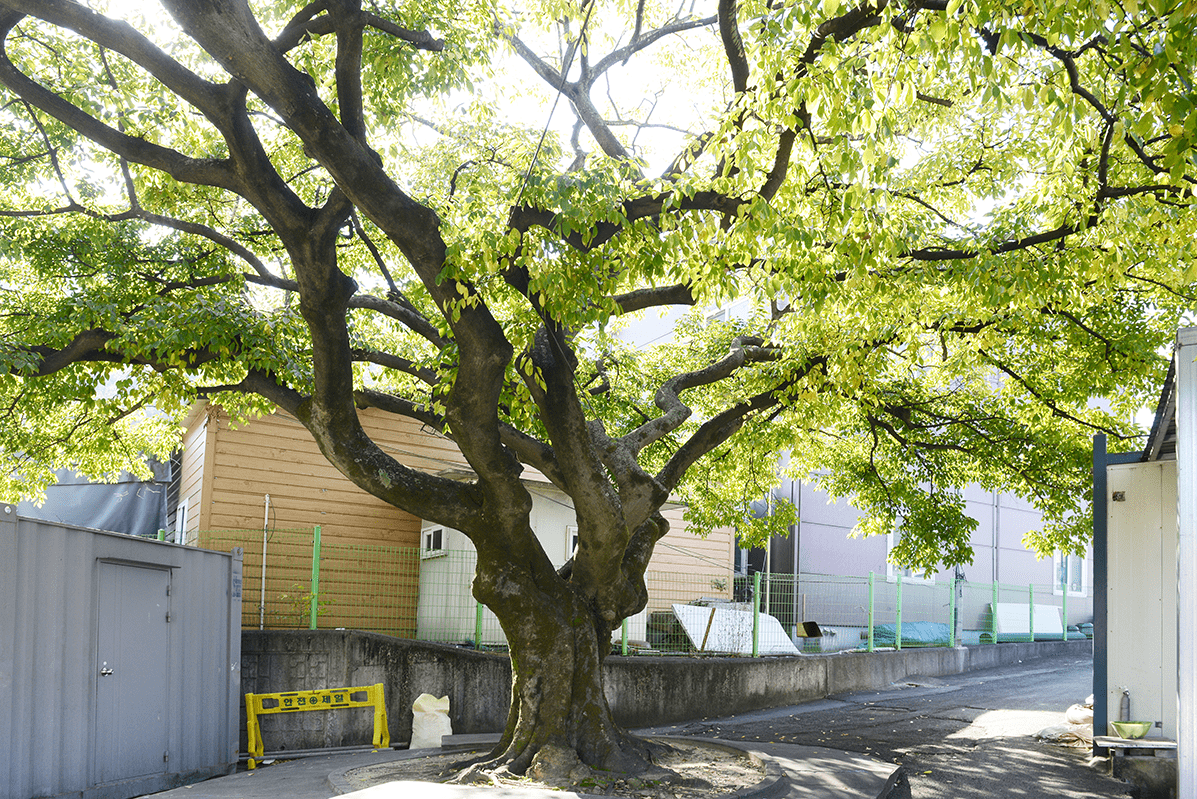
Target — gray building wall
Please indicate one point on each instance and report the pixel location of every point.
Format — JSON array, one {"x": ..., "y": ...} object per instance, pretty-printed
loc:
[
  {"x": 824, "y": 545},
  {"x": 823, "y": 542},
  {"x": 120, "y": 666}
]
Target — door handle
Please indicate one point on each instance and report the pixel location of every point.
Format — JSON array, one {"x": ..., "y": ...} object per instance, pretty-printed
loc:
[{"x": 105, "y": 672}]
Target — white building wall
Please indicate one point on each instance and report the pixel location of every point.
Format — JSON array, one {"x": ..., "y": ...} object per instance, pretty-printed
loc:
[
  {"x": 1141, "y": 611},
  {"x": 447, "y": 611}
]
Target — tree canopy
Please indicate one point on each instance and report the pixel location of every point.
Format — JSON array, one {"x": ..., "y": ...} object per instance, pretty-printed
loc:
[{"x": 966, "y": 228}]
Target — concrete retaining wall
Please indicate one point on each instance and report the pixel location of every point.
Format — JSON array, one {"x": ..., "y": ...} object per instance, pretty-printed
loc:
[
  {"x": 642, "y": 691},
  {"x": 648, "y": 691},
  {"x": 478, "y": 684}
]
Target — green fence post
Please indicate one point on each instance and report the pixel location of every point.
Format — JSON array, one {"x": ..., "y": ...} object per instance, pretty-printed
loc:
[
  {"x": 993, "y": 615},
  {"x": 869, "y": 646},
  {"x": 898, "y": 625},
  {"x": 952, "y": 615},
  {"x": 624, "y": 637},
  {"x": 314, "y": 606},
  {"x": 1031, "y": 610},
  {"x": 1064, "y": 612},
  {"x": 478, "y": 625},
  {"x": 756, "y": 614}
]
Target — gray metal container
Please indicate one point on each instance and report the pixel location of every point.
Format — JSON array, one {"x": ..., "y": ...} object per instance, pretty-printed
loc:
[{"x": 119, "y": 662}]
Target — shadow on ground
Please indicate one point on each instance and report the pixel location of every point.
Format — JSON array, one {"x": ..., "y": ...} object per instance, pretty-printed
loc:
[{"x": 968, "y": 735}]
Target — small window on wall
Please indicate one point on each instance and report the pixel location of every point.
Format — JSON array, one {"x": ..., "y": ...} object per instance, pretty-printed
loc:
[
  {"x": 571, "y": 542},
  {"x": 892, "y": 572},
  {"x": 740, "y": 560},
  {"x": 1070, "y": 575},
  {"x": 181, "y": 524},
  {"x": 434, "y": 542}
]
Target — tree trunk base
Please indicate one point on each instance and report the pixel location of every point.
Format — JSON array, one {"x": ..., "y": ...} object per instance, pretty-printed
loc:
[{"x": 560, "y": 766}]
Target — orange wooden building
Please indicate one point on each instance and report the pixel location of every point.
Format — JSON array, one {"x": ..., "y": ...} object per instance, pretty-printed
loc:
[{"x": 264, "y": 485}]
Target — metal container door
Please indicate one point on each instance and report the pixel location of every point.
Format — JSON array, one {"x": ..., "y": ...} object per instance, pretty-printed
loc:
[{"x": 132, "y": 671}]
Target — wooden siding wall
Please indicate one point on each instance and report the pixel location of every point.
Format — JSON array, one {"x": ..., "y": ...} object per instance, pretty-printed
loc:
[
  {"x": 686, "y": 567},
  {"x": 275, "y": 455},
  {"x": 369, "y": 572},
  {"x": 681, "y": 550},
  {"x": 228, "y": 471},
  {"x": 191, "y": 483}
]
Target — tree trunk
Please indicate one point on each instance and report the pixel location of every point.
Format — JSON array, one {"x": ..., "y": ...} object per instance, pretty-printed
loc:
[{"x": 559, "y": 722}]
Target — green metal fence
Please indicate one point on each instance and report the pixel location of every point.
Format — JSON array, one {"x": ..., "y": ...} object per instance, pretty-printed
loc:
[{"x": 402, "y": 591}]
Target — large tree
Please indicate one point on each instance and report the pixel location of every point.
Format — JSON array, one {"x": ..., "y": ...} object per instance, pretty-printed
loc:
[{"x": 965, "y": 227}]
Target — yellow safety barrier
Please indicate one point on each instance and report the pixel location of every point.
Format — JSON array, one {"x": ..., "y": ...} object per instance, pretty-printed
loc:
[{"x": 326, "y": 699}]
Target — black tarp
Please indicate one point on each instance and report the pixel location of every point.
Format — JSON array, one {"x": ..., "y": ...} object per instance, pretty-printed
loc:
[{"x": 130, "y": 505}]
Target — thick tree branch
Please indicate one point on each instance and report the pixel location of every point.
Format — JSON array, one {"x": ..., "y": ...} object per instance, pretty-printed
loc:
[
  {"x": 733, "y": 45},
  {"x": 711, "y": 434},
  {"x": 529, "y": 450},
  {"x": 396, "y": 362},
  {"x": 190, "y": 170},
  {"x": 674, "y": 412},
  {"x": 306, "y": 25},
  {"x": 348, "y": 68},
  {"x": 960, "y": 254},
  {"x": 416, "y": 321},
  {"x": 644, "y": 207},
  {"x": 89, "y": 345},
  {"x": 123, "y": 38},
  {"x": 655, "y": 297}
]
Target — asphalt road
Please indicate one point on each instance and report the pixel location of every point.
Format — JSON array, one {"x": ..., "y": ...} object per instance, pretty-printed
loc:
[{"x": 967, "y": 735}]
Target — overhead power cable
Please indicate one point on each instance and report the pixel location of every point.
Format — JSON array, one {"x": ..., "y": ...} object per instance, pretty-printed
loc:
[{"x": 564, "y": 72}]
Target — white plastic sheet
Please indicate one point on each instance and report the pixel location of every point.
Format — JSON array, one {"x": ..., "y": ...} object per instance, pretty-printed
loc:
[{"x": 722, "y": 629}]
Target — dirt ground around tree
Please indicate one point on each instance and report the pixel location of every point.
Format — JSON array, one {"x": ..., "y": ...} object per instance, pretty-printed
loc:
[{"x": 702, "y": 771}]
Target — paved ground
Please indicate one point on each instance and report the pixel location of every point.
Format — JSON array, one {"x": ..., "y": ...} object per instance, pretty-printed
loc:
[{"x": 966, "y": 735}]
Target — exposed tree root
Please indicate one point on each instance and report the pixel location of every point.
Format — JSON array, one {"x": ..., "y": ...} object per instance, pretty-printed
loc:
[{"x": 561, "y": 767}]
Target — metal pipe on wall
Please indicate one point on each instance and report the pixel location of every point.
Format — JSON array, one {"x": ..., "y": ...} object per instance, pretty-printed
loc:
[
  {"x": 795, "y": 532},
  {"x": 262, "y": 598},
  {"x": 997, "y": 523}
]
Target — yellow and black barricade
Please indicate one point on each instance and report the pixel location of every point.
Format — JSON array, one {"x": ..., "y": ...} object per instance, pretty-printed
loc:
[{"x": 324, "y": 699}]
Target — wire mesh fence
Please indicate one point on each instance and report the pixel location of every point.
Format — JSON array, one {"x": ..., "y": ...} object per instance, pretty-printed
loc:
[
  {"x": 426, "y": 595},
  {"x": 274, "y": 597}
]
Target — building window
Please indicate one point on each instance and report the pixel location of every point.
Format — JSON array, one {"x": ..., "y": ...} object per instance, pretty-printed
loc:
[
  {"x": 181, "y": 525},
  {"x": 908, "y": 575},
  {"x": 740, "y": 561},
  {"x": 738, "y": 310},
  {"x": 434, "y": 542},
  {"x": 571, "y": 541},
  {"x": 1069, "y": 573}
]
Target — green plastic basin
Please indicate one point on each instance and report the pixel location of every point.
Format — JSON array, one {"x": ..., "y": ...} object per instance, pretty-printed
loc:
[{"x": 1131, "y": 729}]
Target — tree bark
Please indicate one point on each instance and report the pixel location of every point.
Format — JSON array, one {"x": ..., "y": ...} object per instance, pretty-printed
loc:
[{"x": 559, "y": 723}]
